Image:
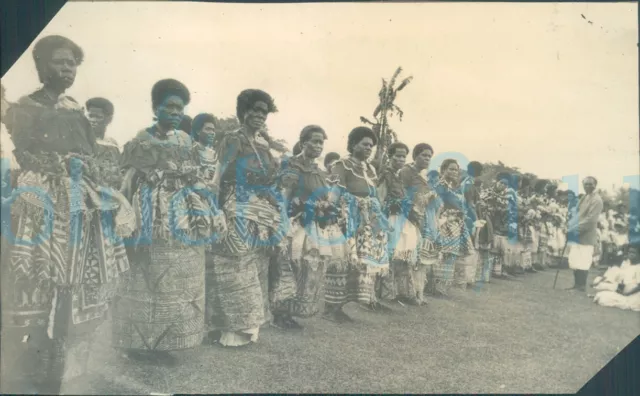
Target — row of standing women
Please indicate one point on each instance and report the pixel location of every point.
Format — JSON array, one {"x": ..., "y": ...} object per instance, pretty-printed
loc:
[{"x": 189, "y": 244}]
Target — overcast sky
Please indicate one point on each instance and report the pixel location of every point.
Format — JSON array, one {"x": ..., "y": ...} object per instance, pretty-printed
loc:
[{"x": 534, "y": 85}]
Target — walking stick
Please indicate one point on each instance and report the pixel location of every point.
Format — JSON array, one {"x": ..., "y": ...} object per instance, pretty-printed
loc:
[{"x": 558, "y": 270}]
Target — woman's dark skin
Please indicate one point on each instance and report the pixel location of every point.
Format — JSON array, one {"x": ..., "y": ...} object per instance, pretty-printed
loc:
[
  {"x": 254, "y": 120},
  {"x": 398, "y": 158},
  {"x": 61, "y": 72},
  {"x": 423, "y": 159},
  {"x": 362, "y": 151},
  {"x": 451, "y": 173},
  {"x": 170, "y": 113}
]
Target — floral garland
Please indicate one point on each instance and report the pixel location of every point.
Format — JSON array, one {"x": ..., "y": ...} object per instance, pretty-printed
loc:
[
  {"x": 321, "y": 210},
  {"x": 55, "y": 164},
  {"x": 497, "y": 202},
  {"x": 355, "y": 211}
]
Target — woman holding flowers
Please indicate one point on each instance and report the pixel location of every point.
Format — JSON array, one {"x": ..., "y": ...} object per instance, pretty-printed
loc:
[
  {"x": 364, "y": 225},
  {"x": 65, "y": 252},
  {"x": 500, "y": 201},
  {"x": 314, "y": 241},
  {"x": 527, "y": 219},
  {"x": 558, "y": 235},
  {"x": 176, "y": 219},
  {"x": 454, "y": 236},
  {"x": 542, "y": 229}
]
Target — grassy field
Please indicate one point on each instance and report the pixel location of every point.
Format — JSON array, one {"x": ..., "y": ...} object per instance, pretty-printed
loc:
[{"x": 506, "y": 337}]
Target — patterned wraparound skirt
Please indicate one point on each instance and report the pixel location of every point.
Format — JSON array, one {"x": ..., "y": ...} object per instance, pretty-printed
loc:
[
  {"x": 57, "y": 279},
  {"x": 48, "y": 330},
  {"x": 540, "y": 257},
  {"x": 443, "y": 272},
  {"x": 509, "y": 253},
  {"x": 161, "y": 308},
  {"x": 404, "y": 277},
  {"x": 496, "y": 261},
  {"x": 310, "y": 251},
  {"x": 346, "y": 283},
  {"x": 465, "y": 269},
  {"x": 254, "y": 243},
  {"x": 369, "y": 265},
  {"x": 483, "y": 271},
  {"x": 32, "y": 361},
  {"x": 367, "y": 254},
  {"x": 410, "y": 280},
  {"x": 236, "y": 296}
]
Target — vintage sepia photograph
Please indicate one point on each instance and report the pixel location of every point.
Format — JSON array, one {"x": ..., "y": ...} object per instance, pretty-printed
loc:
[{"x": 388, "y": 197}]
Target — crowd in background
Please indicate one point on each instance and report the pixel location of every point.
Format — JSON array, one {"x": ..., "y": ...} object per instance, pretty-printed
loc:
[{"x": 191, "y": 236}]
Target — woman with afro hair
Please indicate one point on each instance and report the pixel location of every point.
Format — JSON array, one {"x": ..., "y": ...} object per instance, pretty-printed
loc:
[
  {"x": 364, "y": 226},
  {"x": 412, "y": 251},
  {"x": 176, "y": 219},
  {"x": 65, "y": 255},
  {"x": 313, "y": 213},
  {"x": 245, "y": 187}
]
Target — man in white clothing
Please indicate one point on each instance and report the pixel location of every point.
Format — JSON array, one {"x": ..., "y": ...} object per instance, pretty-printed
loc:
[{"x": 583, "y": 232}]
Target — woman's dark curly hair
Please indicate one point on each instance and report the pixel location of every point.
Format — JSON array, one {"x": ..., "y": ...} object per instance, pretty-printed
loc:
[
  {"x": 169, "y": 87},
  {"x": 474, "y": 169},
  {"x": 332, "y": 156},
  {"x": 446, "y": 163},
  {"x": 249, "y": 97},
  {"x": 357, "y": 134},
  {"x": 395, "y": 146},
  {"x": 198, "y": 123},
  {"x": 101, "y": 103},
  {"x": 419, "y": 148},
  {"x": 308, "y": 131},
  {"x": 43, "y": 51}
]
